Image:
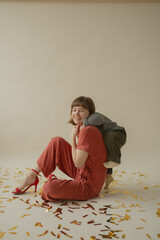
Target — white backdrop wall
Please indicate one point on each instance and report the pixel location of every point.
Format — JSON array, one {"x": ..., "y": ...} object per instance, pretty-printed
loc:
[{"x": 51, "y": 53}]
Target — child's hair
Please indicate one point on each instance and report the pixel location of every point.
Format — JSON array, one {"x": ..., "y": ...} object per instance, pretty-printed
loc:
[{"x": 85, "y": 102}]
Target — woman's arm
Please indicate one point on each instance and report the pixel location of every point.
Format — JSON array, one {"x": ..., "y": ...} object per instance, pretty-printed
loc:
[{"x": 79, "y": 156}]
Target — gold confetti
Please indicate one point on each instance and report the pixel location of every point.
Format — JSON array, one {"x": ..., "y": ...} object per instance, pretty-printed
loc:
[
  {"x": 123, "y": 236},
  {"x": 138, "y": 205},
  {"x": 19, "y": 172},
  {"x": 127, "y": 210},
  {"x": 66, "y": 229},
  {"x": 25, "y": 215},
  {"x": 148, "y": 235},
  {"x": 158, "y": 235},
  {"x": 59, "y": 226},
  {"x": 7, "y": 186},
  {"x": 126, "y": 217},
  {"x": 66, "y": 234},
  {"x": 76, "y": 222},
  {"x": 13, "y": 233},
  {"x": 2, "y": 234},
  {"x": 38, "y": 224},
  {"x": 158, "y": 212},
  {"x": 28, "y": 234},
  {"x": 12, "y": 228},
  {"x": 10, "y": 199},
  {"x": 101, "y": 196},
  {"x": 143, "y": 219},
  {"x": 58, "y": 235},
  {"x": 43, "y": 234},
  {"x": 92, "y": 221},
  {"x": 139, "y": 227},
  {"x": 53, "y": 233}
]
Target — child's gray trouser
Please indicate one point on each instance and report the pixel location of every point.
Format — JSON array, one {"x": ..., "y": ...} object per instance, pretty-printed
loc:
[{"x": 114, "y": 140}]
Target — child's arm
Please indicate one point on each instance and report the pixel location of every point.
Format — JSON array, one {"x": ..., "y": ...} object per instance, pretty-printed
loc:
[{"x": 96, "y": 119}]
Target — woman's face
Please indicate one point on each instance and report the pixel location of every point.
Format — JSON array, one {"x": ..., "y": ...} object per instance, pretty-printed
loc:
[{"x": 79, "y": 114}]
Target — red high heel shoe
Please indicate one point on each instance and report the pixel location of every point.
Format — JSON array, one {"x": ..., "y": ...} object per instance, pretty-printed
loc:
[{"x": 18, "y": 191}]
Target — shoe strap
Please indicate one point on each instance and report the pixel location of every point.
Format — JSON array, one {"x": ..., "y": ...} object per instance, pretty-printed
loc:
[{"x": 35, "y": 171}]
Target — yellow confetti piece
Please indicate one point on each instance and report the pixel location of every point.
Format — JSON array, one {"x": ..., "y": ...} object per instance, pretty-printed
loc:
[
  {"x": 53, "y": 233},
  {"x": 66, "y": 234},
  {"x": 148, "y": 235},
  {"x": 10, "y": 199},
  {"x": 28, "y": 234},
  {"x": 101, "y": 196},
  {"x": 158, "y": 212},
  {"x": 7, "y": 186},
  {"x": 92, "y": 238},
  {"x": 140, "y": 228},
  {"x": 38, "y": 224},
  {"x": 59, "y": 226},
  {"x": 137, "y": 205},
  {"x": 158, "y": 235},
  {"x": 19, "y": 172},
  {"x": 43, "y": 234},
  {"x": 4, "y": 191},
  {"x": 12, "y": 228},
  {"x": 76, "y": 222},
  {"x": 110, "y": 233},
  {"x": 2, "y": 234},
  {"x": 1, "y": 211},
  {"x": 127, "y": 210},
  {"x": 13, "y": 233},
  {"x": 143, "y": 219},
  {"x": 58, "y": 235},
  {"x": 123, "y": 236},
  {"x": 25, "y": 215},
  {"x": 126, "y": 217}
]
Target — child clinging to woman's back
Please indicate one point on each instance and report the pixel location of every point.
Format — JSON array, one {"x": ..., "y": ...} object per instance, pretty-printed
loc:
[{"x": 114, "y": 138}]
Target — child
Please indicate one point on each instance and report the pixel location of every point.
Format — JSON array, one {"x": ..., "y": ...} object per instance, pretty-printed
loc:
[{"x": 114, "y": 138}]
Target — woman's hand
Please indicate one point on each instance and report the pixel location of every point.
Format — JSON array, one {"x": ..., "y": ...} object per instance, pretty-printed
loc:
[{"x": 75, "y": 131}]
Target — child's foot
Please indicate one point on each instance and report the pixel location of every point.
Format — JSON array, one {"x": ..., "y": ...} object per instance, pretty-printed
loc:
[
  {"x": 110, "y": 164},
  {"x": 108, "y": 181}
]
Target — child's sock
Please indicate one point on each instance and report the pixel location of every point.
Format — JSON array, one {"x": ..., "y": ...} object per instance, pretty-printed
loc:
[{"x": 110, "y": 164}]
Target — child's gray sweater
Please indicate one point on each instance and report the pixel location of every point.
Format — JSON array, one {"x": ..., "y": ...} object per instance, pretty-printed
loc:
[{"x": 103, "y": 123}]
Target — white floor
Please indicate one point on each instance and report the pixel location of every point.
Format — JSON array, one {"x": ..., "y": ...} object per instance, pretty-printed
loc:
[{"x": 128, "y": 210}]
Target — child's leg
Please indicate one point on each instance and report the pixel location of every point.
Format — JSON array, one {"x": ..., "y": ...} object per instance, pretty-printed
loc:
[{"x": 114, "y": 140}]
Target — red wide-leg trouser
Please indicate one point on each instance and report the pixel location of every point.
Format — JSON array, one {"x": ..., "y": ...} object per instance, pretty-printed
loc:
[{"x": 59, "y": 153}]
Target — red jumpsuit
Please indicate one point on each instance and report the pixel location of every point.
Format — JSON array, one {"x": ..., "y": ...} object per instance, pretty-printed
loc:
[{"x": 88, "y": 180}]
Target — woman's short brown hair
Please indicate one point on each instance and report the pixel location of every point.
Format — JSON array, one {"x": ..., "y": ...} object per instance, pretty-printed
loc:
[{"x": 85, "y": 102}]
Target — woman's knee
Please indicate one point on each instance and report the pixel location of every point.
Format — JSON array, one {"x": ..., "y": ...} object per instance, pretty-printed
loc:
[{"x": 57, "y": 138}]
